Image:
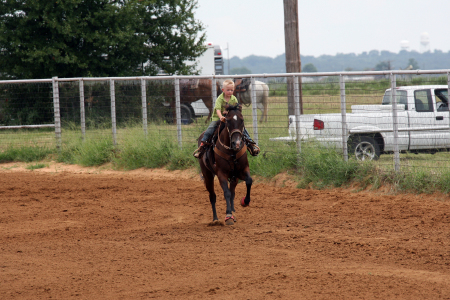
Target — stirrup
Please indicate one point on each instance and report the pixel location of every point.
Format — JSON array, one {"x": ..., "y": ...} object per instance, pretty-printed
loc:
[
  {"x": 253, "y": 149},
  {"x": 198, "y": 153}
]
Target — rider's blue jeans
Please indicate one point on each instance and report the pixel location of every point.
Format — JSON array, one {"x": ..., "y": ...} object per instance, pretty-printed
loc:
[{"x": 210, "y": 130}]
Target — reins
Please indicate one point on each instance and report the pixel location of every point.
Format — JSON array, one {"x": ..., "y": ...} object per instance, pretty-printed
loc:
[
  {"x": 228, "y": 156},
  {"x": 229, "y": 134}
]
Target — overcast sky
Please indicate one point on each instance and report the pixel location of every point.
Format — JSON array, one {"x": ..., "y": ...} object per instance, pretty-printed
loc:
[{"x": 326, "y": 26}]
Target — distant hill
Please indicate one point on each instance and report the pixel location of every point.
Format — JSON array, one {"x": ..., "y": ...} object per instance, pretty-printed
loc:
[{"x": 342, "y": 62}]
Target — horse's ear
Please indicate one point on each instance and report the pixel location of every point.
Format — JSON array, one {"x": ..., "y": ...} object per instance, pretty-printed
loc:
[
  {"x": 240, "y": 107},
  {"x": 227, "y": 107}
]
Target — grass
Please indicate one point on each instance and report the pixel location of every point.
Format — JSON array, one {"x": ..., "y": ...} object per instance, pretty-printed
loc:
[
  {"x": 37, "y": 166},
  {"x": 315, "y": 166},
  {"x": 25, "y": 153}
]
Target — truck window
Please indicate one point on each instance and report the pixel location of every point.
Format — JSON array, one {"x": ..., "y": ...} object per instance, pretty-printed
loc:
[
  {"x": 441, "y": 96},
  {"x": 422, "y": 100},
  {"x": 400, "y": 96}
]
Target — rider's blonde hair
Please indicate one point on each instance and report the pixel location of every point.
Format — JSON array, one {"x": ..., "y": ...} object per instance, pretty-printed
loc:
[{"x": 227, "y": 82}]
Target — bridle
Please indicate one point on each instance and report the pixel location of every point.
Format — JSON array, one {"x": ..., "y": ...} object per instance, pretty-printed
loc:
[
  {"x": 230, "y": 134},
  {"x": 233, "y": 158}
]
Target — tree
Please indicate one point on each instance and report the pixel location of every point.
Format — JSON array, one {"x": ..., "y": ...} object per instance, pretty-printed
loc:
[
  {"x": 77, "y": 38},
  {"x": 309, "y": 68},
  {"x": 241, "y": 70},
  {"x": 383, "y": 66},
  {"x": 412, "y": 64}
]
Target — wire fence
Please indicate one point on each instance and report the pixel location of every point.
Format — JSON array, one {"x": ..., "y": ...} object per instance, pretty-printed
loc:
[{"x": 351, "y": 112}]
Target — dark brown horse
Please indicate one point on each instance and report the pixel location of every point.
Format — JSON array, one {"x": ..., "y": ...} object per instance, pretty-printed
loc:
[
  {"x": 227, "y": 160},
  {"x": 192, "y": 90}
]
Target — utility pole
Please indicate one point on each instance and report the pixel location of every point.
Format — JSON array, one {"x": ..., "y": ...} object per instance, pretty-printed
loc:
[
  {"x": 292, "y": 48},
  {"x": 228, "y": 54}
]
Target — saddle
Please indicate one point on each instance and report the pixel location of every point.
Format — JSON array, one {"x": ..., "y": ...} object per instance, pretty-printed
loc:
[
  {"x": 208, "y": 156},
  {"x": 210, "y": 149}
]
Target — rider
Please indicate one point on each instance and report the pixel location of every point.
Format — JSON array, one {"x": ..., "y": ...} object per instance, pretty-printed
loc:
[{"x": 225, "y": 98}]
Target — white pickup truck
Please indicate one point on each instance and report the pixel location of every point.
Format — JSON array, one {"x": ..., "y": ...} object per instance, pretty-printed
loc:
[{"x": 422, "y": 118}]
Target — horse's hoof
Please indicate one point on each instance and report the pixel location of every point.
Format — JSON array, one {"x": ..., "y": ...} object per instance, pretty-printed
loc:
[
  {"x": 215, "y": 223},
  {"x": 243, "y": 202},
  {"x": 229, "y": 220}
]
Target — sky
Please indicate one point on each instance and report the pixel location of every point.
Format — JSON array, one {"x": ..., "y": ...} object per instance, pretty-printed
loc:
[{"x": 256, "y": 27}]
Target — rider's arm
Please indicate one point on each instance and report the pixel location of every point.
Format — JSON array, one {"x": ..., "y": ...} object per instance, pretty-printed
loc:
[{"x": 219, "y": 114}]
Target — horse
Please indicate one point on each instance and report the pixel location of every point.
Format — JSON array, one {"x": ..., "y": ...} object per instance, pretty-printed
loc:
[
  {"x": 192, "y": 90},
  {"x": 243, "y": 92},
  {"x": 228, "y": 160}
]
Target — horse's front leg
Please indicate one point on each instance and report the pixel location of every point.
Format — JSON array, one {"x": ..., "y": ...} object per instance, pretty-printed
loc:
[
  {"x": 248, "y": 183},
  {"x": 229, "y": 219},
  {"x": 209, "y": 184},
  {"x": 233, "y": 185}
]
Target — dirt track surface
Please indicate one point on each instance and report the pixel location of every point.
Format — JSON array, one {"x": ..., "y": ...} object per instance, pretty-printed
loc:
[{"x": 76, "y": 233}]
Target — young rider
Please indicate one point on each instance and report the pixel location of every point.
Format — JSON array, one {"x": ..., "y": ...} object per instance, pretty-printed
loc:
[{"x": 225, "y": 98}]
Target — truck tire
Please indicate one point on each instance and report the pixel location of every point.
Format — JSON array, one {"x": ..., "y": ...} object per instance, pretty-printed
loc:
[
  {"x": 187, "y": 115},
  {"x": 364, "y": 148}
]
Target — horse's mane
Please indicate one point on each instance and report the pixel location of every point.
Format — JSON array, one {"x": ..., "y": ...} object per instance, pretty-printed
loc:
[{"x": 230, "y": 107}]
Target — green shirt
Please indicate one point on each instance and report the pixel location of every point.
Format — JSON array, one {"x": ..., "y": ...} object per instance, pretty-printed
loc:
[{"x": 220, "y": 105}]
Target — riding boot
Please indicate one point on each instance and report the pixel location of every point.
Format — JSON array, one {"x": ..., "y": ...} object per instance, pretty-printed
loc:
[
  {"x": 251, "y": 145},
  {"x": 200, "y": 150}
]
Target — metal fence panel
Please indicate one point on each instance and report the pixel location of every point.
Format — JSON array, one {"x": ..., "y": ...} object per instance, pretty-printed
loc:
[{"x": 63, "y": 110}]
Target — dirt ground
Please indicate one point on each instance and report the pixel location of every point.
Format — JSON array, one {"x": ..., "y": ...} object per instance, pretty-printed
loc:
[{"x": 68, "y": 232}]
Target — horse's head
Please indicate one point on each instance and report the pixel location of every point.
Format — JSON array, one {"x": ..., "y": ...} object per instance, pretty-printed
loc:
[
  {"x": 235, "y": 125},
  {"x": 241, "y": 85}
]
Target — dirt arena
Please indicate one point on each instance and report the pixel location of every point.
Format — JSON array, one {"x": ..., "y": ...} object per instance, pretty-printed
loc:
[{"x": 81, "y": 233}]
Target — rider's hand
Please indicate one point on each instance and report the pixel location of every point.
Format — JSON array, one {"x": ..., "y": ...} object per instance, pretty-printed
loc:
[{"x": 222, "y": 119}]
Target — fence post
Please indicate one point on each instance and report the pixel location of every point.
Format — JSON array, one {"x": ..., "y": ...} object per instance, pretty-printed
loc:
[
  {"x": 448, "y": 96},
  {"x": 395, "y": 122},
  {"x": 56, "y": 111},
  {"x": 178, "y": 110},
  {"x": 113, "y": 111},
  {"x": 344, "y": 117},
  {"x": 214, "y": 93},
  {"x": 144, "y": 105},
  {"x": 82, "y": 111},
  {"x": 254, "y": 112},
  {"x": 297, "y": 113}
]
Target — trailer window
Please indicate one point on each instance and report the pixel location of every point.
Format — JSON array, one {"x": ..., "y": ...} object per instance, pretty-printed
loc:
[{"x": 400, "y": 96}]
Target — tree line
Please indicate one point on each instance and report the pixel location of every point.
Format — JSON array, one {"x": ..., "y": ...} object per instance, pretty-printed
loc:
[{"x": 372, "y": 60}]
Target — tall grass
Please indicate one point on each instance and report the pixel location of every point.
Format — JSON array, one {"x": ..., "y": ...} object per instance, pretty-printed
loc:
[
  {"x": 153, "y": 151},
  {"x": 25, "y": 153},
  {"x": 323, "y": 167},
  {"x": 87, "y": 153},
  {"x": 316, "y": 166}
]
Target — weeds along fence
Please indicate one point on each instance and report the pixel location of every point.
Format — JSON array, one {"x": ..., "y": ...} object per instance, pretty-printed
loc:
[{"x": 59, "y": 111}]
